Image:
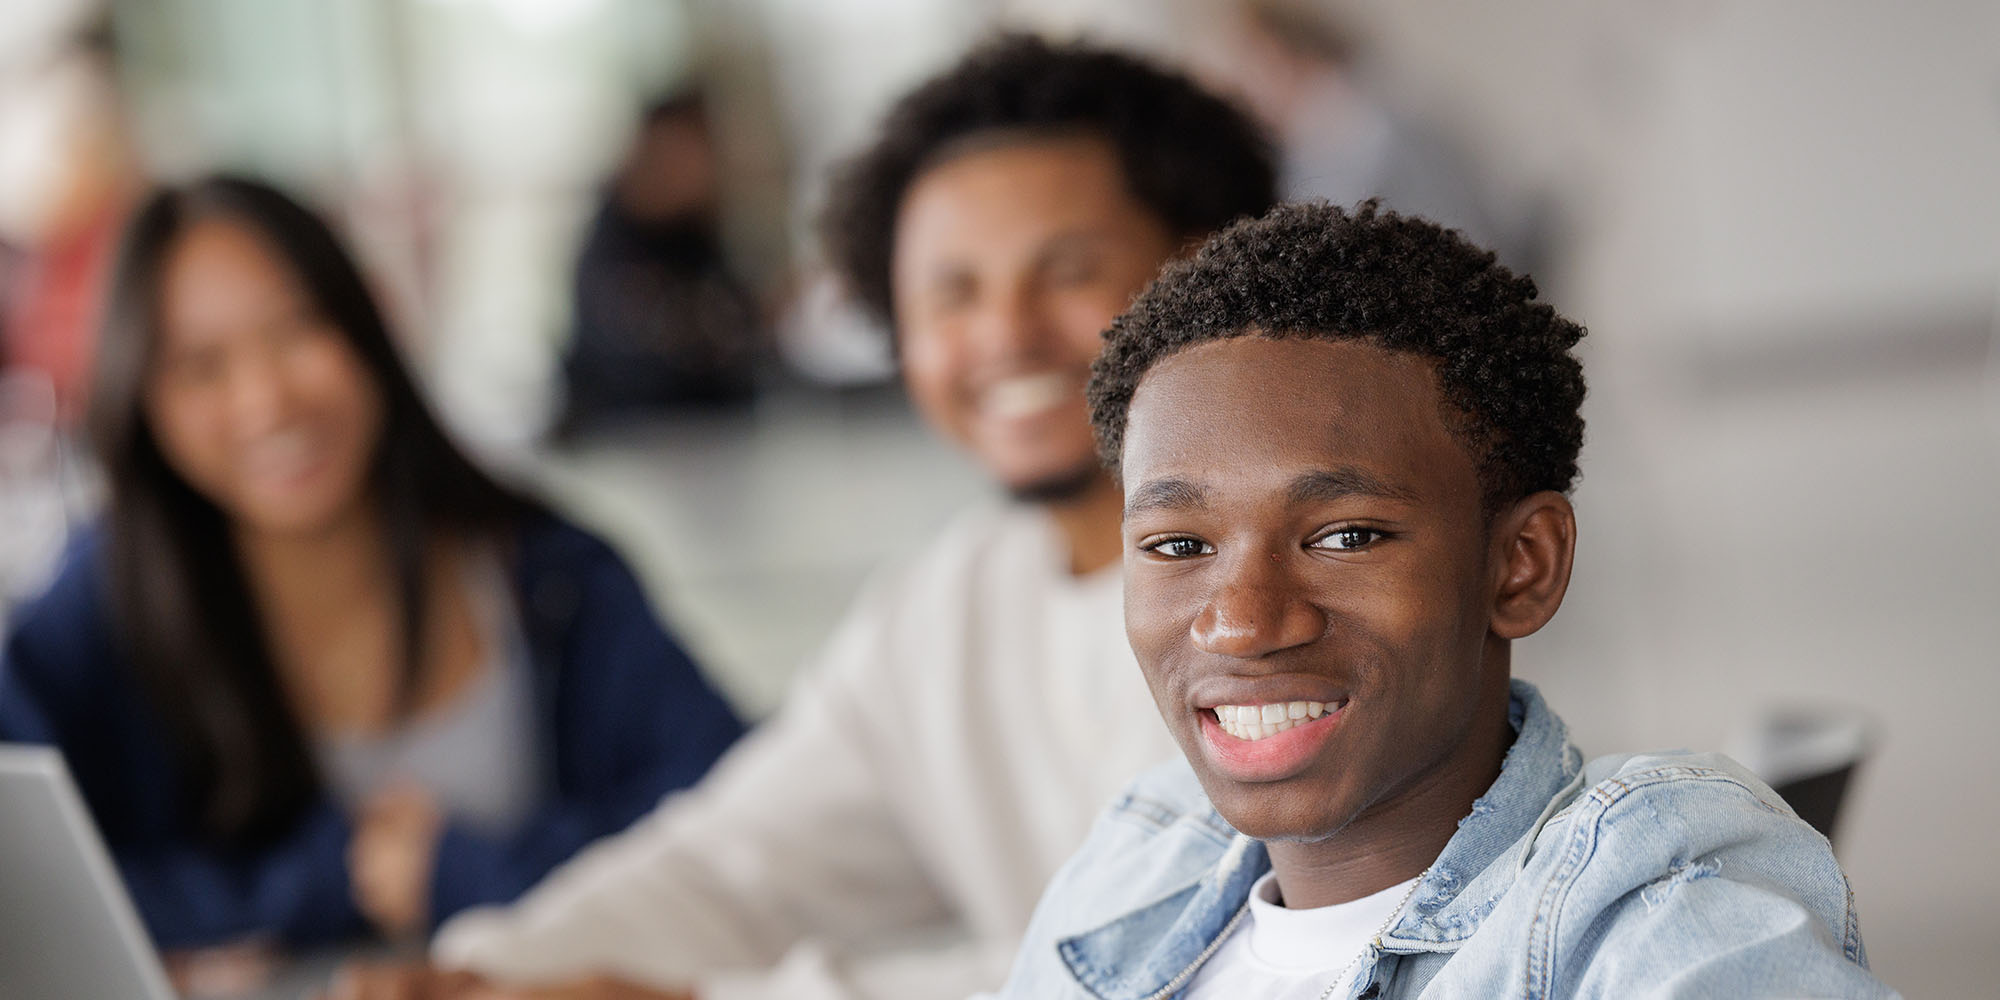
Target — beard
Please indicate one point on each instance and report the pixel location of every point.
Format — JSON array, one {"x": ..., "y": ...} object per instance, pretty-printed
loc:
[{"x": 1061, "y": 487}]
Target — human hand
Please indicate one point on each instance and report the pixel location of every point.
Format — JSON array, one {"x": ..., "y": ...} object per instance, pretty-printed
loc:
[
  {"x": 222, "y": 970},
  {"x": 594, "y": 988},
  {"x": 401, "y": 981},
  {"x": 417, "y": 981},
  {"x": 392, "y": 856}
]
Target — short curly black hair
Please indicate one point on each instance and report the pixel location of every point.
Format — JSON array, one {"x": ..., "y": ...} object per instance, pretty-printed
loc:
[
  {"x": 1314, "y": 271},
  {"x": 1190, "y": 157}
]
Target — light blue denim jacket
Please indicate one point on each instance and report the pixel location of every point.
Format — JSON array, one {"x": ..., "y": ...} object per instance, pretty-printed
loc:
[{"x": 1650, "y": 875}]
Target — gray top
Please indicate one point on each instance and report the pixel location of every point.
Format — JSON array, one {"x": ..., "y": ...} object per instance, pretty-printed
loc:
[{"x": 477, "y": 755}]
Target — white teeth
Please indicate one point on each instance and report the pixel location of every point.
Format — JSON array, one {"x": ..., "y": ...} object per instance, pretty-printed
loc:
[
  {"x": 1026, "y": 395},
  {"x": 1257, "y": 722}
]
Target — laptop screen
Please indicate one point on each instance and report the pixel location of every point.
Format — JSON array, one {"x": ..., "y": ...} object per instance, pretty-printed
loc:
[{"x": 67, "y": 929}]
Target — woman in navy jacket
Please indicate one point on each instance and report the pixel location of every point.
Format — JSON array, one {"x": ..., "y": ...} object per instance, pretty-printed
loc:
[{"x": 295, "y": 558}]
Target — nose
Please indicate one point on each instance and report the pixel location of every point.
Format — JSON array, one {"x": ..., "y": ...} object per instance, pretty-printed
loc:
[
  {"x": 258, "y": 399},
  {"x": 1258, "y": 610},
  {"x": 1013, "y": 323}
]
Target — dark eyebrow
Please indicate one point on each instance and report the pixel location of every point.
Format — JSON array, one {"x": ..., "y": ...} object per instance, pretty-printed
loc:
[
  {"x": 1067, "y": 242},
  {"x": 1166, "y": 494},
  {"x": 1328, "y": 485}
]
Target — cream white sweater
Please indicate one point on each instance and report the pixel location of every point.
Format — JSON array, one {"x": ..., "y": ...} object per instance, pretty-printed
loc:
[{"x": 887, "y": 833}]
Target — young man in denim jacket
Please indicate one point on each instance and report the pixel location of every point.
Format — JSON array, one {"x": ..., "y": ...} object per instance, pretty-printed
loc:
[{"x": 1345, "y": 441}]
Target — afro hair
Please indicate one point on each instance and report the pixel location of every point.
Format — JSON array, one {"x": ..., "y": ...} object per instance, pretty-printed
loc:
[
  {"x": 1502, "y": 359},
  {"x": 1190, "y": 157}
]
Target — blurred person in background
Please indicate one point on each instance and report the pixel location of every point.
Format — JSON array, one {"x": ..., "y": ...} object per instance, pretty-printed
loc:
[
  {"x": 886, "y": 834},
  {"x": 660, "y": 321},
  {"x": 1298, "y": 68},
  {"x": 315, "y": 672},
  {"x": 68, "y": 176}
]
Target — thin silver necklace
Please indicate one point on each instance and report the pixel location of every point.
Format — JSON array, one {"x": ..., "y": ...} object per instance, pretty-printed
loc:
[{"x": 1390, "y": 921}]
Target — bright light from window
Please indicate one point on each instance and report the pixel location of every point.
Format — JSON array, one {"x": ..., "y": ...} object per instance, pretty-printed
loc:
[{"x": 535, "y": 17}]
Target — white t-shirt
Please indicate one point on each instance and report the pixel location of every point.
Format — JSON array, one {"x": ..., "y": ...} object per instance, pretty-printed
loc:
[
  {"x": 1280, "y": 954},
  {"x": 887, "y": 834}
]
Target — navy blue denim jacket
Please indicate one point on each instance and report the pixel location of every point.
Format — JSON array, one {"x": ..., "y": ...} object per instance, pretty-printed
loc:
[{"x": 1654, "y": 875}]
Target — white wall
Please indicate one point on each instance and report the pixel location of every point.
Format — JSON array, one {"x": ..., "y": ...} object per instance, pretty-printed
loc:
[{"x": 1758, "y": 191}]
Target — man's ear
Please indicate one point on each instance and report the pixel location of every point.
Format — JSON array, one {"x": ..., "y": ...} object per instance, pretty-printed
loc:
[{"x": 1533, "y": 543}]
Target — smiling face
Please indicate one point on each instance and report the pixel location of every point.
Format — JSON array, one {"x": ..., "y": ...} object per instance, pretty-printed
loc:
[
  {"x": 1010, "y": 260},
  {"x": 1311, "y": 582},
  {"x": 254, "y": 398}
]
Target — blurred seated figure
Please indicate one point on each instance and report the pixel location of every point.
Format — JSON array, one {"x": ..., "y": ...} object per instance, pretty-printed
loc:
[
  {"x": 315, "y": 671},
  {"x": 68, "y": 176},
  {"x": 1298, "y": 69},
  {"x": 886, "y": 833},
  {"x": 660, "y": 321}
]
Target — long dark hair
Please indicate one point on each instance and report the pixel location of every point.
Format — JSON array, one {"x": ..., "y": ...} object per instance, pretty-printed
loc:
[{"x": 182, "y": 605}]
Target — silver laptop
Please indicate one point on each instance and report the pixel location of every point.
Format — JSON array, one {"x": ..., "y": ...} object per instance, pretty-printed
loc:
[{"x": 67, "y": 929}]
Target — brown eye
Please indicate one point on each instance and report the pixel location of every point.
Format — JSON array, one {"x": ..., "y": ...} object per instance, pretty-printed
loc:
[
  {"x": 1347, "y": 538},
  {"x": 193, "y": 368},
  {"x": 1073, "y": 269},
  {"x": 951, "y": 293},
  {"x": 1180, "y": 548}
]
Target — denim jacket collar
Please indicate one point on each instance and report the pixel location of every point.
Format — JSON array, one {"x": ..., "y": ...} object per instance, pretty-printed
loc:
[{"x": 1154, "y": 951}]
